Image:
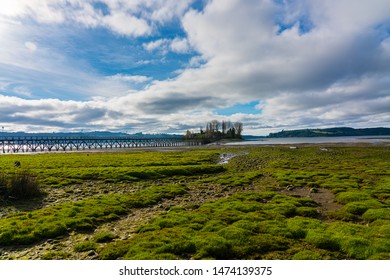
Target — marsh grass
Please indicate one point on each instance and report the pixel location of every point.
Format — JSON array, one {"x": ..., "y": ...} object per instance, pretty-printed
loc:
[
  {"x": 84, "y": 246},
  {"x": 270, "y": 225},
  {"x": 81, "y": 216},
  {"x": 104, "y": 236},
  {"x": 21, "y": 184},
  {"x": 58, "y": 170},
  {"x": 241, "y": 226}
]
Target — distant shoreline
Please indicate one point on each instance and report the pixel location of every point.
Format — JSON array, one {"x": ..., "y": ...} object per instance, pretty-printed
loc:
[
  {"x": 369, "y": 139},
  {"x": 332, "y": 132}
]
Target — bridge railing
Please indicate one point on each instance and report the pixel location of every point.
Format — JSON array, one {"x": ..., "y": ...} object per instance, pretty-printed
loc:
[{"x": 48, "y": 144}]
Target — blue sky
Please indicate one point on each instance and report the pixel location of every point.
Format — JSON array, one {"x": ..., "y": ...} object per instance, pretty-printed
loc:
[{"x": 157, "y": 66}]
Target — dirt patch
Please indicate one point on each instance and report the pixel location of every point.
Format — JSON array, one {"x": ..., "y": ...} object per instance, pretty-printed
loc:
[{"x": 323, "y": 197}]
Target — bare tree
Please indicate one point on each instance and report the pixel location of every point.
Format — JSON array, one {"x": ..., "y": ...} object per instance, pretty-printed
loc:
[
  {"x": 214, "y": 126},
  {"x": 188, "y": 135},
  {"x": 224, "y": 127},
  {"x": 238, "y": 127}
]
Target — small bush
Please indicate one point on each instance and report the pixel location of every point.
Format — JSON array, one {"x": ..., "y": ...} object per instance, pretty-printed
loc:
[{"x": 21, "y": 185}]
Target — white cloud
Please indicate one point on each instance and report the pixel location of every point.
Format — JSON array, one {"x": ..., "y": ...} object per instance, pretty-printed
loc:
[
  {"x": 168, "y": 9},
  {"x": 32, "y": 47},
  {"x": 298, "y": 73},
  {"x": 129, "y": 18},
  {"x": 125, "y": 24},
  {"x": 180, "y": 45},
  {"x": 160, "y": 45},
  {"x": 130, "y": 78},
  {"x": 308, "y": 63},
  {"x": 176, "y": 45},
  {"x": 42, "y": 10}
]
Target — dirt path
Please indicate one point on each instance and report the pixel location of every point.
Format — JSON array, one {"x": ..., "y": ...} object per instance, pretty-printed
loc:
[{"x": 323, "y": 197}]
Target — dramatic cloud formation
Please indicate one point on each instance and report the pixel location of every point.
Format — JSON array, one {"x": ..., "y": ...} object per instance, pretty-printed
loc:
[{"x": 168, "y": 66}]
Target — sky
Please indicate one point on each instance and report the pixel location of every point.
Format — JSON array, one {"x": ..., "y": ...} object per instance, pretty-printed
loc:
[{"x": 167, "y": 66}]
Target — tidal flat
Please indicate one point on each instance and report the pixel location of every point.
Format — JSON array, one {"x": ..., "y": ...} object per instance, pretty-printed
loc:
[{"x": 266, "y": 202}]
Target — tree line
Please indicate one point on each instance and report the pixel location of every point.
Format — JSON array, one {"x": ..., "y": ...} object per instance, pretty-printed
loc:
[{"x": 218, "y": 130}]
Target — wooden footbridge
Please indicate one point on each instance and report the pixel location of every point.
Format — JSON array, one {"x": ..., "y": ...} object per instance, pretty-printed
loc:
[{"x": 51, "y": 144}]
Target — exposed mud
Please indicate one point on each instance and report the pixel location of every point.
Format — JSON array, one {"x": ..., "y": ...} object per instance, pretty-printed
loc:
[{"x": 323, "y": 197}]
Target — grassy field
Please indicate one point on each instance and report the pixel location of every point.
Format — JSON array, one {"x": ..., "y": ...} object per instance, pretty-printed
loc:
[{"x": 266, "y": 203}]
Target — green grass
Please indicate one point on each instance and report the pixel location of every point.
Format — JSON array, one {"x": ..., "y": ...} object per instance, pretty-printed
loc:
[
  {"x": 85, "y": 246},
  {"x": 254, "y": 227},
  {"x": 104, "y": 236},
  {"x": 84, "y": 215},
  {"x": 246, "y": 225},
  {"x": 65, "y": 169}
]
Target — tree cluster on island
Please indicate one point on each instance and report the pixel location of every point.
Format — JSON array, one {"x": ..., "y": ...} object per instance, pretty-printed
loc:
[{"x": 216, "y": 130}]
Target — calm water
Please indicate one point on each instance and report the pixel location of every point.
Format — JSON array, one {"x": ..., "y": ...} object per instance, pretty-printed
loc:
[{"x": 317, "y": 140}]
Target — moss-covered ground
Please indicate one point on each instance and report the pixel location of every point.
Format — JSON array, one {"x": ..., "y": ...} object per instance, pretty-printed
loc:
[{"x": 313, "y": 202}]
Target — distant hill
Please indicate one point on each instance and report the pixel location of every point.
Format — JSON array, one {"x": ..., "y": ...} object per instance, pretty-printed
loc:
[
  {"x": 252, "y": 137},
  {"x": 332, "y": 132}
]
